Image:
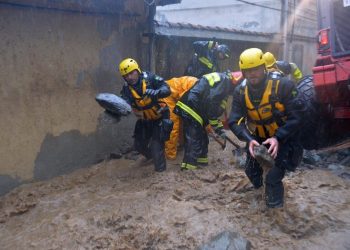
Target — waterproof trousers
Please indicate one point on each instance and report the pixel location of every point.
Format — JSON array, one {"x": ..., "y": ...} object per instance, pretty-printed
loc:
[
  {"x": 286, "y": 160},
  {"x": 178, "y": 86},
  {"x": 172, "y": 143},
  {"x": 195, "y": 144},
  {"x": 148, "y": 142}
]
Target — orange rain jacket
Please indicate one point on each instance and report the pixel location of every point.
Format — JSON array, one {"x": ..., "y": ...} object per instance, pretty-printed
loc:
[{"x": 178, "y": 87}]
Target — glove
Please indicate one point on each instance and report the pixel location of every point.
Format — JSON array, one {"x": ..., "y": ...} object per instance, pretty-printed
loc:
[
  {"x": 138, "y": 114},
  {"x": 153, "y": 93},
  {"x": 221, "y": 132}
]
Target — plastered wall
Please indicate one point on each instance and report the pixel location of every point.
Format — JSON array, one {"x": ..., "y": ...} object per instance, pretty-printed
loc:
[{"x": 53, "y": 63}]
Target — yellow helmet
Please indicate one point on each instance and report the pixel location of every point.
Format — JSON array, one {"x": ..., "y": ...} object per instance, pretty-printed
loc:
[
  {"x": 128, "y": 65},
  {"x": 251, "y": 58},
  {"x": 269, "y": 58}
]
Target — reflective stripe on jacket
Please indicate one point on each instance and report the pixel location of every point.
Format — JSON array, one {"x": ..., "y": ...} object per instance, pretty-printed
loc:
[
  {"x": 207, "y": 63},
  {"x": 212, "y": 78},
  {"x": 207, "y": 99},
  {"x": 262, "y": 119},
  {"x": 289, "y": 68},
  {"x": 190, "y": 111},
  {"x": 296, "y": 72}
]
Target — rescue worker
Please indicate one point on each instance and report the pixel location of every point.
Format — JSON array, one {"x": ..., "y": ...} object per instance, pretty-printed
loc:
[
  {"x": 283, "y": 67},
  {"x": 178, "y": 87},
  {"x": 198, "y": 107},
  {"x": 143, "y": 90},
  {"x": 205, "y": 59},
  {"x": 265, "y": 110}
]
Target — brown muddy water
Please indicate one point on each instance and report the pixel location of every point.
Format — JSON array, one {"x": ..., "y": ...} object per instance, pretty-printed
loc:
[{"x": 124, "y": 204}]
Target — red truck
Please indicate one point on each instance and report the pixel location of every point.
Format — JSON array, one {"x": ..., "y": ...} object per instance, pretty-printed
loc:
[{"x": 327, "y": 92}]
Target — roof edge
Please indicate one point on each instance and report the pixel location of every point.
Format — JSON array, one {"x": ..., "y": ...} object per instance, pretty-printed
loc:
[{"x": 170, "y": 25}]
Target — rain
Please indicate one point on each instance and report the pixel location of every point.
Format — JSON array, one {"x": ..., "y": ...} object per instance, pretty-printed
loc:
[{"x": 71, "y": 175}]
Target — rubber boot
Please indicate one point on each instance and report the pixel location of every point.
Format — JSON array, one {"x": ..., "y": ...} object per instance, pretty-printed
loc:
[
  {"x": 187, "y": 166},
  {"x": 202, "y": 161},
  {"x": 274, "y": 195},
  {"x": 254, "y": 172}
]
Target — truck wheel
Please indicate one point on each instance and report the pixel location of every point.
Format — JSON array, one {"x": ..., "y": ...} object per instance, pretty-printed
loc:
[
  {"x": 306, "y": 91},
  {"x": 307, "y": 94}
]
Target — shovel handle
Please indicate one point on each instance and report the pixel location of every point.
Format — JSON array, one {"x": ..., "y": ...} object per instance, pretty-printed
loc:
[
  {"x": 222, "y": 144},
  {"x": 232, "y": 142},
  {"x": 212, "y": 134}
]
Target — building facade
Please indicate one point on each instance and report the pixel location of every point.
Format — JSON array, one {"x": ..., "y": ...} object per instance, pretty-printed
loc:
[{"x": 285, "y": 28}]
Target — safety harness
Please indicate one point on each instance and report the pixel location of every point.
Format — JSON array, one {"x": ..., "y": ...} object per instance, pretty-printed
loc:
[
  {"x": 151, "y": 109},
  {"x": 269, "y": 115}
]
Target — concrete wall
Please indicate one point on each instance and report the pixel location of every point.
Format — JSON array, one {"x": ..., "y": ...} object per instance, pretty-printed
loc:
[{"x": 53, "y": 63}]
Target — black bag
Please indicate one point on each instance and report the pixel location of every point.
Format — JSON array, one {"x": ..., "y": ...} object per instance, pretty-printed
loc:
[{"x": 166, "y": 126}]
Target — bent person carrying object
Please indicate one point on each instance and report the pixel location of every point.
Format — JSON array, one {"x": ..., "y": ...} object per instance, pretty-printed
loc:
[
  {"x": 143, "y": 91},
  {"x": 272, "y": 112},
  {"x": 201, "y": 105}
]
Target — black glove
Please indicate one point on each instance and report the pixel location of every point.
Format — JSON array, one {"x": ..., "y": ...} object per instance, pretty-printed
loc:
[
  {"x": 220, "y": 132},
  {"x": 153, "y": 93}
]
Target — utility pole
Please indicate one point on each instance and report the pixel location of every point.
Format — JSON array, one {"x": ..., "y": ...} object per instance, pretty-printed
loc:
[
  {"x": 151, "y": 13},
  {"x": 284, "y": 24}
]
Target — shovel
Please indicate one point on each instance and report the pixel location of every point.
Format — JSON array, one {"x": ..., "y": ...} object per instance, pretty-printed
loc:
[
  {"x": 218, "y": 139},
  {"x": 238, "y": 151}
]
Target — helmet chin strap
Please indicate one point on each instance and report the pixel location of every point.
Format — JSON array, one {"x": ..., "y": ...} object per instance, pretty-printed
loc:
[{"x": 133, "y": 84}]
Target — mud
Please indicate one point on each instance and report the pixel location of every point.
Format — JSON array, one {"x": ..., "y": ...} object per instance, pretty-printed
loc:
[{"x": 124, "y": 204}]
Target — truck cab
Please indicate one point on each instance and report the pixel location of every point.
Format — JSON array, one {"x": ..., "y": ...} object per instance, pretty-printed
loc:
[
  {"x": 331, "y": 73},
  {"x": 331, "y": 77}
]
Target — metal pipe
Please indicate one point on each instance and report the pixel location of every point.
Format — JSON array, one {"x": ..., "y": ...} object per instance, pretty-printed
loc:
[
  {"x": 285, "y": 18},
  {"x": 151, "y": 13}
]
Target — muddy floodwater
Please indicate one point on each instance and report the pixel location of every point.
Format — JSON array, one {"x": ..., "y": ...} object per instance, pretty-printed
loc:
[{"x": 124, "y": 204}]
